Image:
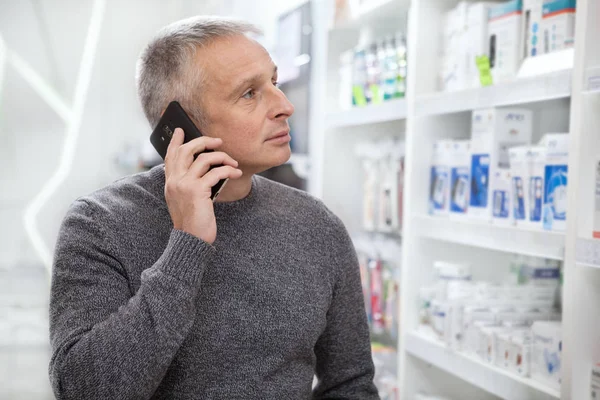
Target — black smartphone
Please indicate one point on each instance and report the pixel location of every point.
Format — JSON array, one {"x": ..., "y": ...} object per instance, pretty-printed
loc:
[{"x": 176, "y": 117}]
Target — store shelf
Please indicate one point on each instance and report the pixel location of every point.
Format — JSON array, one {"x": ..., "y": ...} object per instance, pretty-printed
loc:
[
  {"x": 392, "y": 110},
  {"x": 424, "y": 345},
  {"x": 530, "y": 242},
  {"x": 551, "y": 86}
]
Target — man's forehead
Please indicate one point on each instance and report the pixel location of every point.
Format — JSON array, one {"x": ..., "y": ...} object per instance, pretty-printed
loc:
[{"x": 235, "y": 57}]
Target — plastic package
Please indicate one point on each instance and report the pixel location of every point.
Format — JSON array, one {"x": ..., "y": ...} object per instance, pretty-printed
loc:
[
  {"x": 459, "y": 177},
  {"x": 439, "y": 193},
  {"x": 547, "y": 353}
]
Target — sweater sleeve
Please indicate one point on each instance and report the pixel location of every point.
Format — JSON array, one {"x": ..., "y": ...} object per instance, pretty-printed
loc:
[
  {"x": 106, "y": 343},
  {"x": 345, "y": 367}
]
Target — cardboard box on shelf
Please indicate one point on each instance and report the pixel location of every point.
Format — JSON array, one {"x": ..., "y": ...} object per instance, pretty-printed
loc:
[{"x": 493, "y": 132}]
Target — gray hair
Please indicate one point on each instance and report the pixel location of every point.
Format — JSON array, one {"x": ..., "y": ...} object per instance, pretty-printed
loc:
[{"x": 165, "y": 69}]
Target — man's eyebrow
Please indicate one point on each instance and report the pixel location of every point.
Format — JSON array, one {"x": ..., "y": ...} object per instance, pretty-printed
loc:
[{"x": 248, "y": 82}]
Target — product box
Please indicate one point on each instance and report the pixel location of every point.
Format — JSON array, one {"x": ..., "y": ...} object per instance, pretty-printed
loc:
[
  {"x": 476, "y": 43},
  {"x": 519, "y": 171},
  {"x": 493, "y": 133},
  {"x": 440, "y": 318},
  {"x": 554, "y": 212},
  {"x": 536, "y": 158},
  {"x": 503, "y": 345},
  {"x": 519, "y": 352},
  {"x": 459, "y": 178},
  {"x": 532, "y": 28},
  {"x": 501, "y": 198},
  {"x": 504, "y": 31},
  {"x": 595, "y": 383},
  {"x": 453, "y": 71},
  {"x": 546, "y": 353},
  {"x": 558, "y": 24},
  {"x": 439, "y": 193},
  {"x": 471, "y": 316}
]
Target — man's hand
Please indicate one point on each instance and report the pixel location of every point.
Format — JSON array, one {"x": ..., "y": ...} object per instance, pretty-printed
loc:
[{"x": 188, "y": 183}]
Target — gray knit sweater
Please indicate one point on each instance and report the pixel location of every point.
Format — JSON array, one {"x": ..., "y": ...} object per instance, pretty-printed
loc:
[{"x": 139, "y": 310}]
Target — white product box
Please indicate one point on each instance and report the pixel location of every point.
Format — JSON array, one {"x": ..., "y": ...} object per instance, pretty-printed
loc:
[
  {"x": 471, "y": 316},
  {"x": 482, "y": 331},
  {"x": 546, "y": 353},
  {"x": 501, "y": 198},
  {"x": 488, "y": 341},
  {"x": 503, "y": 344},
  {"x": 453, "y": 71},
  {"x": 519, "y": 170},
  {"x": 504, "y": 31},
  {"x": 439, "y": 194},
  {"x": 558, "y": 24},
  {"x": 441, "y": 319},
  {"x": 493, "y": 133},
  {"x": 477, "y": 43},
  {"x": 554, "y": 212},
  {"x": 532, "y": 28},
  {"x": 459, "y": 178},
  {"x": 595, "y": 383},
  {"x": 519, "y": 352}
]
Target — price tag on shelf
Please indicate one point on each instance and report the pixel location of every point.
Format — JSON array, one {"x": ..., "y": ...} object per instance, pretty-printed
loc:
[{"x": 485, "y": 73}]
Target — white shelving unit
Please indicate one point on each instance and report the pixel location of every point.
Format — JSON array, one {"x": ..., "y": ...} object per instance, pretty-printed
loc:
[
  {"x": 564, "y": 100},
  {"x": 537, "y": 243},
  {"x": 536, "y": 89},
  {"x": 424, "y": 345},
  {"x": 393, "y": 110}
]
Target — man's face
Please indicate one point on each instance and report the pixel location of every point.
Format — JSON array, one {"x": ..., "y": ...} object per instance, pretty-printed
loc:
[{"x": 242, "y": 104}]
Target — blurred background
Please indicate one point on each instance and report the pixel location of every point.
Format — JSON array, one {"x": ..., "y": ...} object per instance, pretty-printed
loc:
[{"x": 420, "y": 123}]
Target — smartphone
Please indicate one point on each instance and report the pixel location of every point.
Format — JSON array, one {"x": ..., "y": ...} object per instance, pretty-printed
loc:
[{"x": 176, "y": 117}]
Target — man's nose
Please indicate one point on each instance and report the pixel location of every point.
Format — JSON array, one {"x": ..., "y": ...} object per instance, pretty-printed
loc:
[{"x": 282, "y": 107}]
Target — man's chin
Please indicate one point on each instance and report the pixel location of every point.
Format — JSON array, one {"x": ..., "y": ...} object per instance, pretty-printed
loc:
[{"x": 274, "y": 159}]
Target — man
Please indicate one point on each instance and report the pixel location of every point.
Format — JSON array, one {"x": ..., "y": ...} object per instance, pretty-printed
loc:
[{"x": 157, "y": 292}]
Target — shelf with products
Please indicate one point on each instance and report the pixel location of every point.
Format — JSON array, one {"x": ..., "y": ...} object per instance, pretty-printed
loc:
[
  {"x": 425, "y": 345},
  {"x": 511, "y": 239},
  {"x": 536, "y": 89},
  {"x": 507, "y": 322},
  {"x": 392, "y": 110},
  {"x": 380, "y": 278}
]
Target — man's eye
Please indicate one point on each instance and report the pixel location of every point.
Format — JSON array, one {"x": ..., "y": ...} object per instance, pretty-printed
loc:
[{"x": 249, "y": 94}]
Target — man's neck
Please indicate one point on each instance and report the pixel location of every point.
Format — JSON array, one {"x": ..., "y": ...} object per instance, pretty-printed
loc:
[{"x": 236, "y": 189}]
